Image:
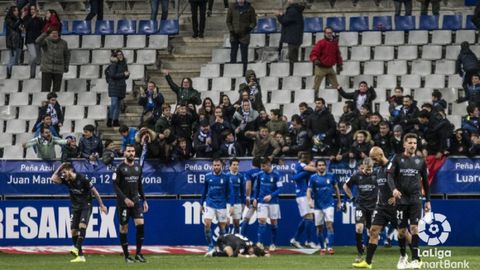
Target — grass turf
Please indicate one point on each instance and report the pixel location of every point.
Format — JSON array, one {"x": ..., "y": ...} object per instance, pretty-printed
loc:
[{"x": 384, "y": 259}]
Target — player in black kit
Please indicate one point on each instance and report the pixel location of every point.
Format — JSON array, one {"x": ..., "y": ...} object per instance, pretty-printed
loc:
[
  {"x": 127, "y": 181},
  {"x": 404, "y": 173},
  {"x": 365, "y": 203},
  {"x": 236, "y": 245},
  {"x": 81, "y": 190}
]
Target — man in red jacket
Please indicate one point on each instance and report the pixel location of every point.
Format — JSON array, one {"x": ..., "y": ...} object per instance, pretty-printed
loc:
[{"x": 325, "y": 55}]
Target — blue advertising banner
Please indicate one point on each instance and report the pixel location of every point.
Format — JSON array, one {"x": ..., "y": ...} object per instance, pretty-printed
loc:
[
  {"x": 179, "y": 222},
  {"x": 459, "y": 175}
]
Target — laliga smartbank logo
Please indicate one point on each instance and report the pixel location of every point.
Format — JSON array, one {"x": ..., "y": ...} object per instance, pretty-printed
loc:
[{"x": 434, "y": 229}]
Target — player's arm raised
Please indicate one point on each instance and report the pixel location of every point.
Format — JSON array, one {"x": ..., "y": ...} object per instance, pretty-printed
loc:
[
  {"x": 55, "y": 176},
  {"x": 103, "y": 208}
]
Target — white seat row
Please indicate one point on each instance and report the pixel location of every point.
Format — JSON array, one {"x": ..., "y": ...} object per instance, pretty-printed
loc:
[{"x": 156, "y": 42}]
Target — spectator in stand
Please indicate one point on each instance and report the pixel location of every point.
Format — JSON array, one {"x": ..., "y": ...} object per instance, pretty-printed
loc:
[
  {"x": 128, "y": 136},
  {"x": 472, "y": 92},
  {"x": 325, "y": 54},
  {"x": 229, "y": 147},
  {"x": 203, "y": 141},
  {"x": 435, "y": 7},
  {"x": 183, "y": 123},
  {"x": 110, "y": 152},
  {"x": 166, "y": 141},
  {"x": 364, "y": 117},
  {"x": 301, "y": 141},
  {"x": 396, "y": 142},
  {"x": 364, "y": 95},
  {"x": 70, "y": 150},
  {"x": 185, "y": 93},
  {"x": 471, "y": 122},
  {"x": 476, "y": 15},
  {"x": 342, "y": 142},
  {"x": 438, "y": 103},
  {"x": 398, "y": 7},
  {"x": 198, "y": 7},
  {"x": 21, "y": 4},
  {"x": 459, "y": 143},
  {"x": 466, "y": 64},
  {"x": 45, "y": 144},
  {"x": 182, "y": 150},
  {"x": 281, "y": 142},
  {"x": 152, "y": 101},
  {"x": 14, "y": 40},
  {"x": 208, "y": 109},
  {"x": 254, "y": 89},
  {"x": 362, "y": 143},
  {"x": 396, "y": 101},
  {"x": 305, "y": 111},
  {"x": 292, "y": 28},
  {"x": 241, "y": 20},
  {"x": 165, "y": 120},
  {"x": 52, "y": 108},
  {"x": 384, "y": 139},
  {"x": 46, "y": 122},
  {"x": 147, "y": 144},
  {"x": 116, "y": 75},
  {"x": 407, "y": 116},
  {"x": 96, "y": 9},
  {"x": 264, "y": 144},
  {"x": 33, "y": 29},
  {"x": 276, "y": 124},
  {"x": 154, "y": 9},
  {"x": 244, "y": 95},
  {"x": 475, "y": 145},
  {"x": 262, "y": 119},
  {"x": 55, "y": 60},
  {"x": 321, "y": 127},
  {"x": 436, "y": 133},
  {"x": 219, "y": 125},
  {"x": 90, "y": 145},
  {"x": 210, "y": 6},
  {"x": 373, "y": 126},
  {"x": 245, "y": 120},
  {"x": 350, "y": 115},
  {"x": 227, "y": 107},
  {"x": 52, "y": 22}
]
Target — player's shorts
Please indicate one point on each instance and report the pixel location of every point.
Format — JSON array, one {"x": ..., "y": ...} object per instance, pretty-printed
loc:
[
  {"x": 79, "y": 215},
  {"x": 125, "y": 213},
  {"x": 303, "y": 206},
  {"x": 363, "y": 216},
  {"x": 248, "y": 212},
  {"x": 409, "y": 212},
  {"x": 265, "y": 210},
  {"x": 323, "y": 215},
  {"x": 237, "y": 210},
  {"x": 212, "y": 213},
  {"x": 382, "y": 215}
]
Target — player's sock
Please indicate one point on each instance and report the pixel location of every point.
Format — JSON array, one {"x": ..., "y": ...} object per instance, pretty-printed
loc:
[
  {"x": 308, "y": 229},
  {"x": 402, "y": 245},
  {"x": 370, "y": 251},
  {"x": 124, "y": 243},
  {"x": 321, "y": 238},
  {"x": 140, "y": 236},
  {"x": 300, "y": 229},
  {"x": 330, "y": 238},
  {"x": 262, "y": 228},
  {"x": 222, "y": 231},
  {"x": 415, "y": 240},
  {"x": 208, "y": 237},
  {"x": 236, "y": 229},
  {"x": 243, "y": 227},
  {"x": 74, "y": 239},
  {"x": 274, "y": 229},
  {"x": 80, "y": 238},
  {"x": 358, "y": 239}
]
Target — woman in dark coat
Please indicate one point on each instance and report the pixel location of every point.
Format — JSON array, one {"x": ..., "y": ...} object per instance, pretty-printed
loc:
[
  {"x": 116, "y": 74},
  {"x": 33, "y": 28},
  {"x": 292, "y": 28},
  {"x": 14, "y": 40},
  {"x": 185, "y": 92}
]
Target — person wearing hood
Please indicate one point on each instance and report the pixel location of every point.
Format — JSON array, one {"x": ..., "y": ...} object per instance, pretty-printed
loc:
[
  {"x": 292, "y": 28},
  {"x": 241, "y": 20},
  {"x": 255, "y": 91},
  {"x": 467, "y": 64},
  {"x": 14, "y": 40},
  {"x": 116, "y": 75},
  {"x": 362, "y": 143},
  {"x": 186, "y": 94}
]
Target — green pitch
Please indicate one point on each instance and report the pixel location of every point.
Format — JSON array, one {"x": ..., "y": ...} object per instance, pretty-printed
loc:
[{"x": 384, "y": 259}]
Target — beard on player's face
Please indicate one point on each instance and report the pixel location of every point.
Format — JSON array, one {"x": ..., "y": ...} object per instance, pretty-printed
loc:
[{"x": 130, "y": 157}]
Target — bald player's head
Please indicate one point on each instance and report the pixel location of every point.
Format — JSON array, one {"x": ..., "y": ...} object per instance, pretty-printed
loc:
[{"x": 376, "y": 154}]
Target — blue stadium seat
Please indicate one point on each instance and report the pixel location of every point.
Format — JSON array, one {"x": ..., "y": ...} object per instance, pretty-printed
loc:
[
  {"x": 469, "y": 24},
  {"x": 452, "y": 22},
  {"x": 428, "y": 22},
  {"x": 382, "y": 23},
  {"x": 65, "y": 30},
  {"x": 266, "y": 25},
  {"x": 470, "y": 2},
  {"x": 359, "y": 24},
  {"x": 405, "y": 23},
  {"x": 104, "y": 27},
  {"x": 81, "y": 27},
  {"x": 147, "y": 27},
  {"x": 336, "y": 23},
  {"x": 169, "y": 27},
  {"x": 126, "y": 27},
  {"x": 313, "y": 24}
]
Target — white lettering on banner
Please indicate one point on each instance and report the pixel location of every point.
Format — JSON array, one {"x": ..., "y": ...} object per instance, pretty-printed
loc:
[
  {"x": 348, "y": 217},
  {"x": 193, "y": 167},
  {"x": 194, "y": 178},
  {"x": 152, "y": 180},
  {"x": 467, "y": 178},
  {"x": 192, "y": 212},
  {"x": 467, "y": 165},
  {"x": 30, "y": 230},
  {"x": 37, "y": 179},
  {"x": 49, "y": 223},
  {"x": 18, "y": 180},
  {"x": 35, "y": 168}
]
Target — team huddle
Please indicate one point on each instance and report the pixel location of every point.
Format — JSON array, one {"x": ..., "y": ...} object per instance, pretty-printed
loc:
[{"x": 389, "y": 192}]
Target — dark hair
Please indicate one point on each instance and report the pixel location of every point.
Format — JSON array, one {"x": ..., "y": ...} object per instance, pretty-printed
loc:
[
  {"x": 51, "y": 95},
  {"x": 233, "y": 160},
  {"x": 263, "y": 127},
  {"x": 43, "y": 128},
  {"x": 424, "y": 114},
  {"x": 377, "y": 114},
  {"x": 122, "y": 129},
  {"x": 366, "y": 106},
  {"x": 399, "y": 88},
  {"x": 384, "y": 123},
  {"x": 427, "y": 105},
  {"x": 89, "y": 127},
  {"x": 10, "y": 11},
  {"x": 276, "y": 112},
  {"x": 67, "y": 166},
  {"x": 303, "y": 104},
  {"x": 152, "y": 82},
  {"x": 350, "y": 105},
  {"x": 304, "y": 155},
  {"x": 327, "y": 27},
  {"x": 129, "y": 145},
  {"x": 408, "y": 96},
  {"x": 320, "y": 161},
  {"x": 217, "y": 160},
  {"x": 256, "y": 161},
  {"x": 410, "y": 136},
  {"x": 476, "y": 75},
  {"x": 265, "y": 160},
  {"x": 320, "y": 99},
  {"x": 46, "y": 115},
  {"x": 221, "y": 99},
  {"x": 54, "y": 13},
  {"x": 211, "y": 101},
  {"x": 189, "y": 80},
  {"x": 297, "y": 120},
  {"x": 258, "y": 251},
  {"x": 107, "y": 143},
  {"x": 363, "y": 82},
  {"x": 471, "y": 108},
  {"x": 437, "y": 94}
]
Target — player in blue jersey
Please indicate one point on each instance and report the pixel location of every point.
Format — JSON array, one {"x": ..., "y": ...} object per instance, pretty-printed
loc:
[
  {"x": 321, "y": 186},
  {"x": 250, "y": 184},
  {"x": 303, "y": 170},
  {"x": 214, "y": 201},
  {"x": 269, "y": 186},
  {"x": 237, "y": 193}
]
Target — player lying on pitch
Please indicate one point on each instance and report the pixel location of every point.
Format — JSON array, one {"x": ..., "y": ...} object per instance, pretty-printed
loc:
[{"x": 236, "y": 245}]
